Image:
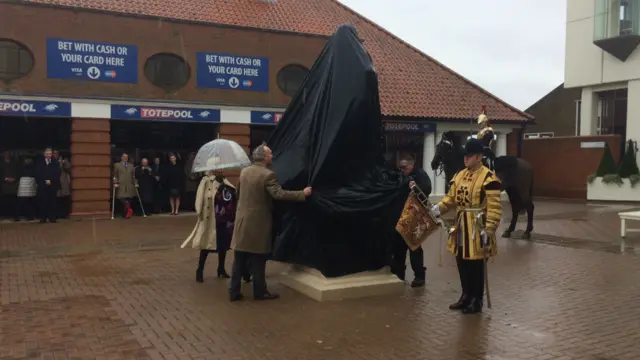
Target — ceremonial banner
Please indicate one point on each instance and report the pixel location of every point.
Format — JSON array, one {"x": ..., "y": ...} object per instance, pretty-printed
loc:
[{"x": 415, "y": 224}]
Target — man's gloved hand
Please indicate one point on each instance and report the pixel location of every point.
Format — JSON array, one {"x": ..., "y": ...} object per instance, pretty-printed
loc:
[{"x": 435, "y": 210}]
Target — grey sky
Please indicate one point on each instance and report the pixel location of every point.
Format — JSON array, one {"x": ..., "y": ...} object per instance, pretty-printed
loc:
[{"x": 514, "y": 49}]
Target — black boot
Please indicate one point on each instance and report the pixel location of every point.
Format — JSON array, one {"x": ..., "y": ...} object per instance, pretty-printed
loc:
[
  {"x": 462, "y": 303},
  {"x": 201, "y": 262},
  {"x": 474, "y": 307},
  {"x": 222, "y": 273}
]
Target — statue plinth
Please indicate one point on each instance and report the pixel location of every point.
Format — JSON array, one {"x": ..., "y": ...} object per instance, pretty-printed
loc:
[{"x": 313, "y": 284}]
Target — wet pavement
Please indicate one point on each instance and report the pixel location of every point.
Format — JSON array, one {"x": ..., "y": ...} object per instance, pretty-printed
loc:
[{"x": 124, "y": 290}]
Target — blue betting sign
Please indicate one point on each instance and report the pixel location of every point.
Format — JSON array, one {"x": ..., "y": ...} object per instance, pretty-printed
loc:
[
  {"x": 265, "y": 117},
  {"x": 232, "y": 72},
  {"x": 92, "y": 61},
  {"x": 35, "y": 108},
  {"x": 131, "y": 112},
  {"x": 409, "y": 127}
]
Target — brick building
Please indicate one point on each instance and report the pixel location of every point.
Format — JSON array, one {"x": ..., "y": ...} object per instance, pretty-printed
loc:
[{"x": 96, "y": 78}]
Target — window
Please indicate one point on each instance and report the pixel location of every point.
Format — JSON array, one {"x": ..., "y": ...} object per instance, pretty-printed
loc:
[
  {"x": 16, "y": 60},
  {"x": 167, "y": 71},
  {"x": 615, "y": 18},
  {"x": 290, "y": 78}
]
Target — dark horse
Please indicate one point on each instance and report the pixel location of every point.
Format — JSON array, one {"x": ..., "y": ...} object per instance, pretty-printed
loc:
[{"x": 516, "y": 175}]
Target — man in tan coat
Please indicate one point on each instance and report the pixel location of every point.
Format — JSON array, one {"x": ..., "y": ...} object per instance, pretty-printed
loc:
[
  {"x": 252, "y": 237},
  {"x": 125, "y": 182}
]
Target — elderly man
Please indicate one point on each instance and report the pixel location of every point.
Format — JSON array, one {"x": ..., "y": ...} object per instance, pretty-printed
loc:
[
  {"x": 48, "y": 180},
  {"x": 420, "y": 178},
  {"x": 252, "y": 236}
]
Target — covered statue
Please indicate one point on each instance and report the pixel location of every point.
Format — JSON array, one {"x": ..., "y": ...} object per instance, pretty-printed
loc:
[{"x": 331, "y": 138}]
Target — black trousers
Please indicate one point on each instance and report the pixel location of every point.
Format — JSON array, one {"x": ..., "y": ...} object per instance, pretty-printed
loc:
[
  {"x": 399, "y": 256},
  {"x": 26, "y": 207},
  {"x": 222, "y": 255},
  {"x": 64, "y": 207},
  {"x": 8, "y": 205},
  {"x": 48, "y": 204},
  {"x": 244, "y": 262},
  {"x": 471, "y": 275}
]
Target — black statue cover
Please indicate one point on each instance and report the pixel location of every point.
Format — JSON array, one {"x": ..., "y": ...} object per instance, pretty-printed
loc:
[{"x": 331, "y": 137}]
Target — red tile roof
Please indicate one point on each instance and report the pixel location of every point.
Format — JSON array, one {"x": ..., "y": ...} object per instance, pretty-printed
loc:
[{"x": 421, "y": 87}]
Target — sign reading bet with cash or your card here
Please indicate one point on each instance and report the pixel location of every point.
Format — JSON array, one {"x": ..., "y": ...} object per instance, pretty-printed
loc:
[
  {"x": 232, "y": 72},
  {"x": 91, "y": 61}
]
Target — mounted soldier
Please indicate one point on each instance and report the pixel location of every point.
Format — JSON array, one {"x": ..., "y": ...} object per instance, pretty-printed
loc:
[{"x": 487, "y": 137}]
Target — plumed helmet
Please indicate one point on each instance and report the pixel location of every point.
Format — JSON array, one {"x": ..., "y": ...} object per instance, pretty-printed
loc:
[{"x": 482, "y": 118}]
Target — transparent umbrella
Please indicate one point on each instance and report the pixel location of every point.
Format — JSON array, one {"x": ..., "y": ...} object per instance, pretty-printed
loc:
[{"x": 220, "y": 154}]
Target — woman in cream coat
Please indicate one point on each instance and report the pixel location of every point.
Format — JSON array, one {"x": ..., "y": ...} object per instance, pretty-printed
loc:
[{"x": 215, "y": 206}]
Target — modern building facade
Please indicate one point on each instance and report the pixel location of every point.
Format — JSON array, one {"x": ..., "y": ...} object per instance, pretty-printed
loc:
[
  {"x": 98, "y": 78},
  {"x": 602, "y": 60}
]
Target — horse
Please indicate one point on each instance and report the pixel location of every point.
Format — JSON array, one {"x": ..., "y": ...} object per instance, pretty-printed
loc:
[{"x": 516, "y": 175}]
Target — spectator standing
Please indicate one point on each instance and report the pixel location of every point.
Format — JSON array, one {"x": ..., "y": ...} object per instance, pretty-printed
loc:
[
  {"x": 27, "y": 191},
  {"x": 8, "y": 185},
  {"x": 48, "y": 180}
]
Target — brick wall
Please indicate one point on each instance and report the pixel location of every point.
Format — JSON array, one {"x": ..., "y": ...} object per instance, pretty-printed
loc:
[
  {"x": 561, "y": 166},
  {"x": 31, "y": 25},
  {"x": 91, "y": 167}
]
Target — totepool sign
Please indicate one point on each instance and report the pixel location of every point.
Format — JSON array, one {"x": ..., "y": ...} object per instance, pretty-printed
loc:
[
  {"x": 409, "y": 127},
  {"x": 129, "y": 112},
  {"x": 35, "y": 108}
]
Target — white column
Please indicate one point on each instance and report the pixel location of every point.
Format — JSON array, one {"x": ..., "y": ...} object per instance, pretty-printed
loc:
[
  {"x": 439, "y": 181},
  {"x": 589, "y": 112},
  {"x": 428, "y": 151},
  {"x": 501, "y": 144}
]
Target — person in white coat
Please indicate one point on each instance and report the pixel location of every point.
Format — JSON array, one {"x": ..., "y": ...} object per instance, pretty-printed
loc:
[{"x": 215, "y": 205}]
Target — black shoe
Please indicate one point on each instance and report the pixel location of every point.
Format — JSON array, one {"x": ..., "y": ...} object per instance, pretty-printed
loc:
[
  {"x": 199, "y": 276},
  {"x": 462, "y": 303},
  {"x": 416, "y": 283},
  {"x": 236, "y": 297},
  {"x": 223, "y": 274},
  {"x": 42, "y": 221},
  {"x": 16, "y": 219},
  {"x": 267, "y": 296},
  {"x": 474, "y": 307}
]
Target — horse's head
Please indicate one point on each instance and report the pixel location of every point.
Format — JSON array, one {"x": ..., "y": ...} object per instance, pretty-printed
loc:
[{"x": 445, "y": 150}]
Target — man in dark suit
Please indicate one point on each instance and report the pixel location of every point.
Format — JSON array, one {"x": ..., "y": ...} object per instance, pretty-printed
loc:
[
  {"x": 48, "y": 179},
  {"x": 420, "y": 178}
]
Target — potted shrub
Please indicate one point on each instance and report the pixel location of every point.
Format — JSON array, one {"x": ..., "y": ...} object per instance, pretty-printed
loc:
[
  {"x": 615, "y": 183},
  {"x": 629, "y": 166}
]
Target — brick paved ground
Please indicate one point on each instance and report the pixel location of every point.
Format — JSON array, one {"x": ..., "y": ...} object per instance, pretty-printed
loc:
[{"x": 123, "y": 290}]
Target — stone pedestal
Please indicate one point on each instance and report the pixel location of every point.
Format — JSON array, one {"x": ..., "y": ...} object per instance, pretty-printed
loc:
[{"x": 313, "y": 284}]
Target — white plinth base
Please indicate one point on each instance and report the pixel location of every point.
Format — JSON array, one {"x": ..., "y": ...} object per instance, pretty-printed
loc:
[{"x": 313, "y": 284}]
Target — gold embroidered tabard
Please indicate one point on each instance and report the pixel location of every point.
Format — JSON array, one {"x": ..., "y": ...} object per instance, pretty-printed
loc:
[{"x": 474, "y": 190}]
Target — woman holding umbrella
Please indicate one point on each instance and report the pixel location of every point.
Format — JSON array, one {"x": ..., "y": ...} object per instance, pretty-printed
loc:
[
  {"x": 215, "y": 202},
  {"x": 215, "y": 206}
]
